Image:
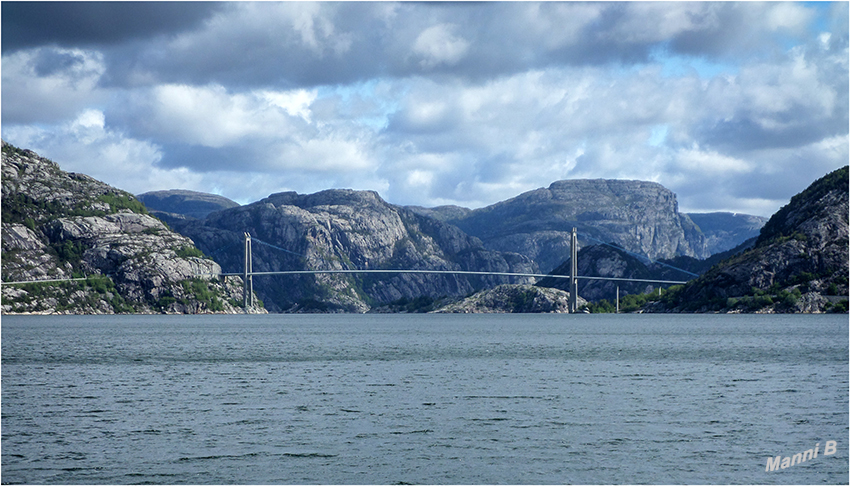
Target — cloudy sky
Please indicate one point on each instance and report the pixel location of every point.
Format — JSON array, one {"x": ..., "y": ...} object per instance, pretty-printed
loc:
[{"x": 733, "y": 106}]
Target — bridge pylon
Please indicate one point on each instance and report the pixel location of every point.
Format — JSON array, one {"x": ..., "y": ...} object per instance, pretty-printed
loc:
[
  {"x": 573, "y": 304},
  {"x": 248, "y": 276}
]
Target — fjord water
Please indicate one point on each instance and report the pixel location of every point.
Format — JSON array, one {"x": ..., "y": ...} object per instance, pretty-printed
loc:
[{"x": 384, "y": 399}]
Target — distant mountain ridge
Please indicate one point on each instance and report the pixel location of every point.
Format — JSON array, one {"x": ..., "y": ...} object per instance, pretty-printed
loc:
[
  {"x": 187, "y": 203},
  {"x": 639, "y": 216},
  {"x": 724, "y": 231},
  {"x": 625, "y": 211}
]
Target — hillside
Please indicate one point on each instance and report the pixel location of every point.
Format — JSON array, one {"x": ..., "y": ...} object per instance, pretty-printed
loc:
[
  {"x": 346, "y": 229},
  {"x": 60, "y": 225},
  {"x": 798, "y": 264}
]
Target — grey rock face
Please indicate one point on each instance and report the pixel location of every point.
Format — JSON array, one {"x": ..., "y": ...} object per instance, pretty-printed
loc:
[
  {"x": 803, "y": 248},
  {"x": 345, "y": 229},
  {"x": 513, "y": 299},
  {"x": 639, "y": 216},
  {"x": 57, "y": 225}
]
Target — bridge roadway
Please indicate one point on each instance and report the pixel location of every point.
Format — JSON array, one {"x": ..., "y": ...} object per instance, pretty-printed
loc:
[{"x": 447, "y": 272}]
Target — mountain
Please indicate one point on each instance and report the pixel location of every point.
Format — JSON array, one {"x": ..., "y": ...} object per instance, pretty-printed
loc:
[
  {"x": 345, "y": 229},
  {"x": 639, "y": 216},
  {"x": 724, "y": 231},
  {"x": 799, "y": 262},
  {"x": 186, "y": 203},
  {"x": 60, "y": 225}
]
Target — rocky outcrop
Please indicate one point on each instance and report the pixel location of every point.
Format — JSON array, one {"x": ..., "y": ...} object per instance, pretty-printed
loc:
[
  {"x": 181, "y": 202},
  {"x": 59, "y": 225},
  {"x": 513, "y": 299},
  {"x": 798, "y": 264},
  {"x": 639, "y": 216},
  {"x": 346, "y": 229},
  {"x": 724, "y": 231}
]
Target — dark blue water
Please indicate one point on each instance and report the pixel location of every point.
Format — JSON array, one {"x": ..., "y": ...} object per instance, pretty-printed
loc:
[{"x": 383, "y": 399}]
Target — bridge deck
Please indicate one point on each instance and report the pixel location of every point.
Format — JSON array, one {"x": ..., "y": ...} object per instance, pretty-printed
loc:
[{"x": 449, "y": 272}]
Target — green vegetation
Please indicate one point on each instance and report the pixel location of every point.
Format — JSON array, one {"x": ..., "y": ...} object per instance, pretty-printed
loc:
[
  {"x": 20, "y": 208},
  {"x": 23, "y": 209},
  {"x": 781, "y": 300},
  {"x": 119, "y": 201},
  {"x": 189, "y": 251},
  {"x": 66, "y": 296},
  {"x": 12, "y": 150},
  {"x": 630, "y": 302},
  {"x": 69, "y": 251},
  {"x": 199, "y": 289},
  {"x": 523, "y": 300},
  {"x": 840, "y": 307},
  {"x": 421, "y": 304}
]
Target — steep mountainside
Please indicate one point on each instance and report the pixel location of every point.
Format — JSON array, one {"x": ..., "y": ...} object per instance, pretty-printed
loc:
[
  {"x": 59, "y": 225},
  {"x": 639, "y": 216},
  {"x": 724, "y": 231},
  {"x": 187, "y": 203},
  {"x": 798, "y": 264},
  {"x": 345, "y": 229}
]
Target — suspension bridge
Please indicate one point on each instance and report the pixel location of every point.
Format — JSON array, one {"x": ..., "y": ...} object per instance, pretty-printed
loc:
[{"x": 248, "y": 273}]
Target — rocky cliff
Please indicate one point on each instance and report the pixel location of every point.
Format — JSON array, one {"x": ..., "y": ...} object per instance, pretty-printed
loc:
[
  {"x": 59, "y": 225},
  {"x": 639, "y": 216},
  {"x": 345, "y": 229},
  {"x": 798, "y": 264}
]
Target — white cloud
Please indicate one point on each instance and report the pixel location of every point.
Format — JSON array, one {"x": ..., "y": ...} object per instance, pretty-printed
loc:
[
  {"x": 788, "y": 16},
  {"x": 210, "y": 116},
  {"x": 439, "y": 45},
  {"x": 295, "y": 102},
  {"x": 51, "y": 84},
  {"x": 697, "y": 161}
]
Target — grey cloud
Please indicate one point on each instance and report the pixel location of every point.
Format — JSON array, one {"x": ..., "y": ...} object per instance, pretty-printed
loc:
[
  {"x": 298, "y": 44},
  {"x": 32, "y": 24}
]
